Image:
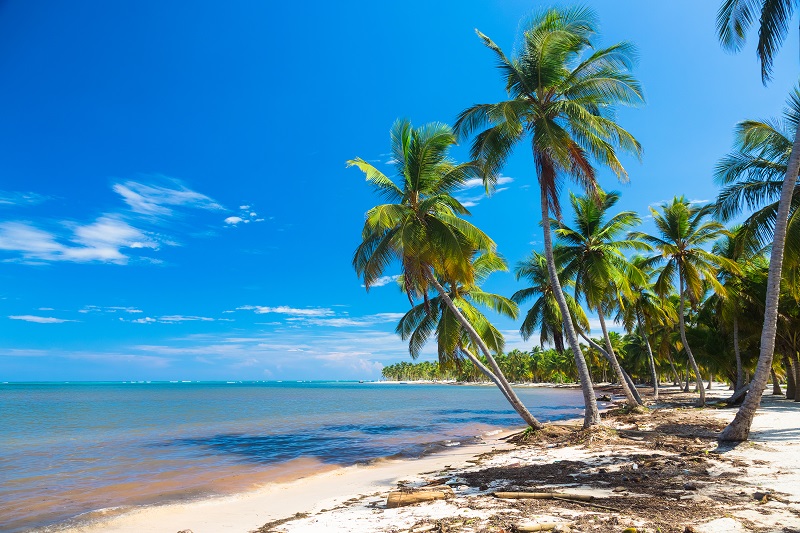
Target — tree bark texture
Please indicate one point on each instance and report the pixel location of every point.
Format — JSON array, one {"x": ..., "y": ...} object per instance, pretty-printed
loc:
[
  {"x": 739, "y": 428},
  {"x": 776, "y": 385},
  {"x": 591, "y": 415},
  {"x": 790, "y": 382},
  {"x": 737, "y": 351}
]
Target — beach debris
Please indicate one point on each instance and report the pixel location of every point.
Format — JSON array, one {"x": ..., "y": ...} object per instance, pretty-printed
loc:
[
  {"x": 558, "y": 527},
  {"x": 185, "y": 531},
  {"x": 619, "y": 489},
  {"x": 543, "y": 496},
  {"x": 630, "y": 530},
  {"x": 423, "y": 528},
  {"x": 401, "y": 498},
  {"x": 604, "y": 398},
  {"x": 690, "y": 486}
]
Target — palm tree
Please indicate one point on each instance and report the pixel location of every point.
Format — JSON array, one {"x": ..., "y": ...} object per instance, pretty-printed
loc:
[
  {"x": 562, "y": 95},
  {"x": 644, "y": 312},
  {"x": 683, "y": 231},
  {"x": 421, "y": 229},
  {"x": 592, "y": 255},
  {"x": 733, "y": 21},
  {"x": 453, "y": 341},
  {"x": 544, "y": 315}
]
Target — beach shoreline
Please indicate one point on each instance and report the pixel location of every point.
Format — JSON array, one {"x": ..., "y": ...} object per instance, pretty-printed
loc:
[{"x": 353, "y": 498}]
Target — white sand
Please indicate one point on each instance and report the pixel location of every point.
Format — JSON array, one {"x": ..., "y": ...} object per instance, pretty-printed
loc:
[{"x": 247, "y": 511}]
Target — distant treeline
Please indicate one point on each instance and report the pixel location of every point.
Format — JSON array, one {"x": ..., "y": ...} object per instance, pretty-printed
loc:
[{"x": 540, "y": 365}]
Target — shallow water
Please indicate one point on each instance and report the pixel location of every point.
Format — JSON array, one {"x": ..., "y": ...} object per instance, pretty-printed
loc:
[{"x": 66, "y": 449}]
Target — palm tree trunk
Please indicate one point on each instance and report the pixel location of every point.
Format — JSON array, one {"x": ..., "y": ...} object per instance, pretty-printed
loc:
[
  {"x": 612, "y": 358},
  {"x": 688, "y": 375},
  {"x": 676, "y": 375},
  {"x": 591, "y": 415},
  {"x": 796, "y": 365},
  {"x": 790, "y": 383},
  {"x": 497, "y": 374},
  {"x": 627, "y": 379},
  {"x": 710, "y": 379},
  {"x": 682, "y": 325},
  {"x": 739, "y": 428},
  {"x": 737, "y": 351},
  {"x": 776, "y": 385},
  {"x": 650, "y": 356}
]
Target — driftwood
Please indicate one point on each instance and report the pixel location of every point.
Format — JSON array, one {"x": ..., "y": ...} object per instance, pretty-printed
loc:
[
  {"x": 544, "y": 526},
  {"x": 401, "y": 498},
  {"x": 543, "y": 496}
]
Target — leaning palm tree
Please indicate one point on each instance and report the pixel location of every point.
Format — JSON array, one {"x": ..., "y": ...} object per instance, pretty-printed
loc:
[
  {"x": 434, "y": 317},
  {"x": 421, "y": 229},
  {"x": 562, "y": 95},
  {"x": 593, "y": 256},
  {"x": 733, "y": 21},
  {"x": 544, "y": 315},
  {"x": 644, "y": 312},
  {"x": 684, "y": 230}
]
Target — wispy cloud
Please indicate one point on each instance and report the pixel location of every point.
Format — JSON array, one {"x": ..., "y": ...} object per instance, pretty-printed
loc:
[
  {"x": 109, "y": 309},
  {"x": 477, "y": 182},
  {"x": 473, "y": 200},
  {"x": 342, "y": 322},
  {"x": 383, "y": 280},
  {"x": 8, "y": 198},
  {"x": 169, "y": 319},
  {"x": 115, "y": 236},
  {"x": 39, "y": 319},
  {"x": 151, "y": 199},
  {"x": 285, "y": 310}
]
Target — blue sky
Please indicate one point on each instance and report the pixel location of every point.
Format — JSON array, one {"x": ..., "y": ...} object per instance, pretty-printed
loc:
[{"x": 174, "y": 202}]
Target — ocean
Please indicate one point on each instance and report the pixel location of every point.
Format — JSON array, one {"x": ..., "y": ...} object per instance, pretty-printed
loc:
[{"x": 68, "y": 449}]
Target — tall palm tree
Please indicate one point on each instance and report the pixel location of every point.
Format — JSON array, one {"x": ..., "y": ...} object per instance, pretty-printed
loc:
[
  {"x": 592, "y": 255},
  {"x": 733, "y": 21},
  {"x": 683, "y": 231},
  {"x": 544, "y": 315},
  {"x": 422, "y": 230},
  {"x": 562, "y": 95}
]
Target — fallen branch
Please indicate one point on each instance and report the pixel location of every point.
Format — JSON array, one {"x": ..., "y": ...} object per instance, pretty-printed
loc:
[
  {"x": 401, "y": 498},
  {"x": 542, "y": 496},
  {"x": 590, "y": 504},
  {"x": 545, "y": 526}
]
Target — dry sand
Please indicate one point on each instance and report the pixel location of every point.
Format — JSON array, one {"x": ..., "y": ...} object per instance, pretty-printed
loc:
[{"x": 658, "y": 471}]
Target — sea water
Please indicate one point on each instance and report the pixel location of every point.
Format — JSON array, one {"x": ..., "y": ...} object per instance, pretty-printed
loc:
[{"x": 67, "y": 449}]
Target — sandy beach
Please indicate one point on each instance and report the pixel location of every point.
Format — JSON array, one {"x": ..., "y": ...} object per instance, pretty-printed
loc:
[{"x": 657, "y": 471}]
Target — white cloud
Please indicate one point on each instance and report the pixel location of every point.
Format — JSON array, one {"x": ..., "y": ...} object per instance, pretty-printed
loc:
[
  {"x": 478, "y": 182},
  {"x": 285, "y": 310},
  {"x": 234, "y": 220},
  {"x": 169, "y": 319},
  {"x": 244, "y": 207},
  {"x": 342, "y": 322},
  {"x": 148, "y": 199},
  {"x": 182, "y": 318},
  {"x": 21, "y": 198},
  {"x": 39, "y": 319},
  {"x": 110, "y": 237},
  {"x": 109, "y": 309},
  {"x": 383, "y": 280}
]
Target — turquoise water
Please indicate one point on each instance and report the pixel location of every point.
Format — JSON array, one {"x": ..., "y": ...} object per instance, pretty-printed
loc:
[{"x": 67, "y": 449}]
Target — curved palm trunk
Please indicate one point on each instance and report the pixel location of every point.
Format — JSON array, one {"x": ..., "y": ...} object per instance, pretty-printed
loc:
[
  {"x": 776, "y": 385},
  {"x": 739, "y": 428},
  {"x": 682, "y": 325},
  {"x": 676, "y": 375},
  {"x": 612, "y": 358},
  {"x": 591, "y": 415},
  {"x": 737, "y": 351},
  {"x": 790, "y": 384},
  {"x": 650, "y": 356},
  {"x": 497, "y": 377},
  {"x": 796, "y": 365},
  {"x": 600, "y": 349}
]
